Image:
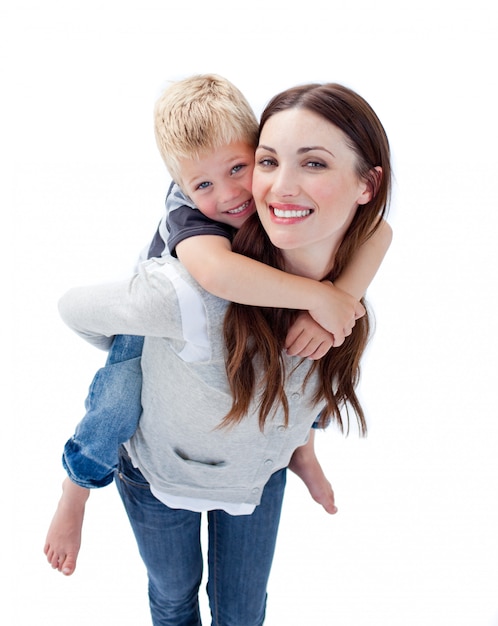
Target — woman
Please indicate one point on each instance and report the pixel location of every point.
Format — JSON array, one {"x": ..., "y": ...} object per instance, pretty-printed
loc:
[
  {"x": 225, "y": 408},
  {"x": 316, "y": 207}
]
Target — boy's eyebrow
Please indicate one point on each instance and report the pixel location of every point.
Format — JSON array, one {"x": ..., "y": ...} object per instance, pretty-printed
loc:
[
  {"x": 190, "y": 181},
  {"x": 300, "y": 151}
]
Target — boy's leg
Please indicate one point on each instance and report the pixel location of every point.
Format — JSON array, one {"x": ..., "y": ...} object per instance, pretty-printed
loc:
[
  {"x": 241, "y": 549},
  {"x": 112, "y": 412},
  {"x": 305, "y": 464},
  {"x": 90, "y": 457},
  {"x": 169, "y": 544},
  {"x": 63, "y": 541}
]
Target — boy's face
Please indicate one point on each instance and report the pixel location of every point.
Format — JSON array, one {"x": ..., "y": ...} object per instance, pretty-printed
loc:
[{"x": 219, "y": 182}]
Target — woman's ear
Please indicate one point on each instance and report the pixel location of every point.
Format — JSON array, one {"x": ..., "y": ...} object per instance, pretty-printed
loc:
[{"x": 372, "y": 180}]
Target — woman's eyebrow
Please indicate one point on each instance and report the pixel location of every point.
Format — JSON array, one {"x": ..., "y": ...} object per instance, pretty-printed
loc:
[
  {"x": 310, "y": 148},
  {"x": 300, "y": 150}
]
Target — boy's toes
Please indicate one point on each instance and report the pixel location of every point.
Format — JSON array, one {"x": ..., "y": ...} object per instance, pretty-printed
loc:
[
  {"x": 67, "y": 565},
  {"x": 52, "y": 557},
  {"x": 57, "y": 561},
  {"x": 331, "y": 508}
]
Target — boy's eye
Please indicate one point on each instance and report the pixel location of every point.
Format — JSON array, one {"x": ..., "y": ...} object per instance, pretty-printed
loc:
[
  {"x": 236, "y": 168},
  {"x": 203, "y": 185}
]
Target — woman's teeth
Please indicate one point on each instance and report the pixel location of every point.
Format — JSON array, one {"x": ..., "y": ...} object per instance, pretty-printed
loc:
[{"x": 293, "y": 213}]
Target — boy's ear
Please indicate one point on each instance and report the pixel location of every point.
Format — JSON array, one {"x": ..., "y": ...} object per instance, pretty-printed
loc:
[{"x": 372, "y": 185}]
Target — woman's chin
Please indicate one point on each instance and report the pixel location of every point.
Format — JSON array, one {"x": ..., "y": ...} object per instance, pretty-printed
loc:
[{"x": 284, "y": 241}]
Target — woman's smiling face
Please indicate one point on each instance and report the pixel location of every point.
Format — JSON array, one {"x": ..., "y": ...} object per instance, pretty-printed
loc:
[{"x": 305, "y": 185}]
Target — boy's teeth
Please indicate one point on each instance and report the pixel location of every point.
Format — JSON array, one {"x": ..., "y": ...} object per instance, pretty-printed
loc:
[
  {"x": 295, "y": 213},
  {"x": 240, "y": 208}
]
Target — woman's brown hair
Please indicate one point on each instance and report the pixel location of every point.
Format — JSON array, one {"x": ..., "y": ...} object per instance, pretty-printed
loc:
[{"x": 255, "y": 336}]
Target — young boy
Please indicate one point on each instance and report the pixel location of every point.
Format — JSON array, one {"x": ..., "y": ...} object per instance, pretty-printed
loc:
[{"x": 207, "y": 134}]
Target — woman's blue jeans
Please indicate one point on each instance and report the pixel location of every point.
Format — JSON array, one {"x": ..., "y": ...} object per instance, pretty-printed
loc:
[
  {"x": 113, "y": 409},
  {"x": 240, "y": 554}
]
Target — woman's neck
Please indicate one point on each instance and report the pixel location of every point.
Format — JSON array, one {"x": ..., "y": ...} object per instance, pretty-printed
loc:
[{"x": 308, "y": 263}]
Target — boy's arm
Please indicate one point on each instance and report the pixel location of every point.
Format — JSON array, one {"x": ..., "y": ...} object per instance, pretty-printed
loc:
[
  {"x": 360, "y": 272},
  {"x": 305, "y": 337},
  {"x": 234, "y": 277}
]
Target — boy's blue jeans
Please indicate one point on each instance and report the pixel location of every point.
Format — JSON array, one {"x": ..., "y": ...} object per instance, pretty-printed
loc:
[
  {"x": 240, "y": 553},
  {"x": 113, "y": 409}
]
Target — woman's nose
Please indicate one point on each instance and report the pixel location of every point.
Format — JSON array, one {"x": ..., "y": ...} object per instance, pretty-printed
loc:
[{"x": 285, "y": 182}]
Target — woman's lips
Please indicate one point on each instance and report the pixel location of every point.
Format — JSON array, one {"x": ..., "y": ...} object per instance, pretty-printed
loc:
[{"x": 288, "y": 212}]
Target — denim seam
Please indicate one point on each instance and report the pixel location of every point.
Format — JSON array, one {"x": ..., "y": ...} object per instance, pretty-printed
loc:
[{"x": 215, "y": 568}]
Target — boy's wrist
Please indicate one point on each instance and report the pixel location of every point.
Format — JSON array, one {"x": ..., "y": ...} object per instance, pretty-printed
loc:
[{"x": 324, "y": 295}]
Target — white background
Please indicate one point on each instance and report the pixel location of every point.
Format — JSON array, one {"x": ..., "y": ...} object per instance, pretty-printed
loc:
[{"x": 415, "y": 539}]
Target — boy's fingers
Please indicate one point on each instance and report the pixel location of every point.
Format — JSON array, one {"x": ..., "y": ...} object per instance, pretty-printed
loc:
[
  {"x": 339, "y": 339},
  {"x": 359, "y": 310},
  {"x": 320, "y": 352}
]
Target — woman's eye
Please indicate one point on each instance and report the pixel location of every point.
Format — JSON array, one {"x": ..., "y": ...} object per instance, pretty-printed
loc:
[
  {"x": 314, "y": 164},
  {"x": 266, "y": 162}
]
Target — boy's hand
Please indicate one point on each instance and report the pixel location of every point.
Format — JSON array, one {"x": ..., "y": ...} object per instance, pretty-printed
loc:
[
  {"x": 306, "y": 338},
  {"x": 337, "y": 312}
]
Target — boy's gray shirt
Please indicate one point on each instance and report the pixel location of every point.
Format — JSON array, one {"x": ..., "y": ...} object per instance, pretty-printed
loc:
[
  {"x": 181, "y": 220},
  {"x": 179, "y": 445}
]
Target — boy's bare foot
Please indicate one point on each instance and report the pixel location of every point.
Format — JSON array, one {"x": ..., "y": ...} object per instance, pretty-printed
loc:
[
  {"x": 321, "y": 491},
  {"x": 64, "y": 535},
  {"x": 305, "y": 465}
]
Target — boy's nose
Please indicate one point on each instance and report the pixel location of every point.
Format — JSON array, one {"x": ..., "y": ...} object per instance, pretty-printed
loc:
[{"x": 230, "y": 192}]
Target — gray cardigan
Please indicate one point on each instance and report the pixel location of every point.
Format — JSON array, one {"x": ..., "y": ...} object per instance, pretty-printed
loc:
[{"x": 185, "y": 395}]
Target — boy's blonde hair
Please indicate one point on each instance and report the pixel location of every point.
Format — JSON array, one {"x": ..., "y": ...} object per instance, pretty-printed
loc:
[{"x": 203, "y": 112}]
